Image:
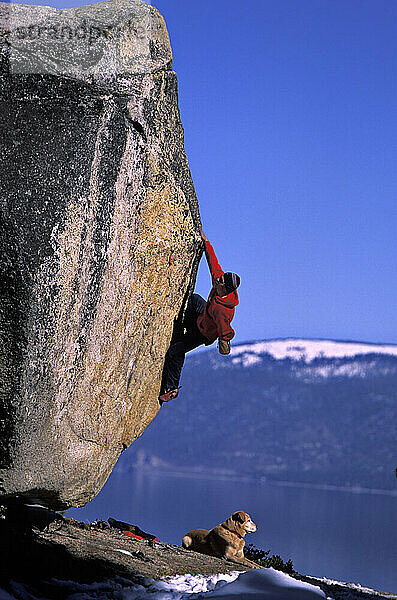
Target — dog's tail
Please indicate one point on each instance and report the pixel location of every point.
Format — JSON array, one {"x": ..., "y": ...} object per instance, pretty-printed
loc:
[{"x": 187, "y": 541}]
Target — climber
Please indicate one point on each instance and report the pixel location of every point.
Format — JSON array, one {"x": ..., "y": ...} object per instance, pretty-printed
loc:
[{"x": 203, "y": 323}]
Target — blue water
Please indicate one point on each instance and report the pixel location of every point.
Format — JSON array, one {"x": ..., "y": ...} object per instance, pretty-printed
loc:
[{"x": 334, "y": 534}]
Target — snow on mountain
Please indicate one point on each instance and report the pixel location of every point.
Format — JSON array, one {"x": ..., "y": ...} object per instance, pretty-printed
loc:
[
  {"x": 306, "y": 351},
  {"x": 342, "y": 370}
]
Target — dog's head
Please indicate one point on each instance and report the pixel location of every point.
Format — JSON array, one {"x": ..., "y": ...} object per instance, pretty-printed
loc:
[{"x": 240, "y": 522}]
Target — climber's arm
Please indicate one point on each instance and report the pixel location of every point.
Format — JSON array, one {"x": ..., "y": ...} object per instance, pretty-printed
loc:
[{"x": 214, "y": 266}]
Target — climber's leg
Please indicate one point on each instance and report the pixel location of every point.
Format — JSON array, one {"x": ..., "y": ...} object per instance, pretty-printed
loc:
[
  {"x": 193, "y": 337},
  {"x": 195, "y": 306},
  {"x": 186, "y": 337},
  {"x": 173, "y": 364}
]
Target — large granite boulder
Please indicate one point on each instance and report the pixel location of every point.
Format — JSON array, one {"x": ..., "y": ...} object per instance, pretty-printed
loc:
[{"x": 99, "y": 239}]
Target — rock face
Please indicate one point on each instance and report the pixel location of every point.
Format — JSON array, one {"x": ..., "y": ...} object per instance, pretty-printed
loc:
[{"x": 99, "y": 243}]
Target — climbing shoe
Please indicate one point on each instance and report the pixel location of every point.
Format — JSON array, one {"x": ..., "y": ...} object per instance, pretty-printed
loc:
[
  {"x": 170, "y": 395},
  {"x": 224, "y": 346}
]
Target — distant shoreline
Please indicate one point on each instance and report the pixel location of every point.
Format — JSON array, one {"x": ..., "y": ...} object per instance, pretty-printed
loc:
[
  {"x": 335, "y": 488},
  {"x": 234, "y": 477}
]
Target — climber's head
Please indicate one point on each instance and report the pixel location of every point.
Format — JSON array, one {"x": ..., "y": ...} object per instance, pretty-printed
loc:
[{"x": 226, "y": 283}]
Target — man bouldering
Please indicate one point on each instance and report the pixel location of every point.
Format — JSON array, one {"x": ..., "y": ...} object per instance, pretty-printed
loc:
[{"x": 203, "y": 323}]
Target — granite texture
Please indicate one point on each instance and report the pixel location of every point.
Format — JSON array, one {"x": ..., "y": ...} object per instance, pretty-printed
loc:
[{"x": 99, "y": 246}]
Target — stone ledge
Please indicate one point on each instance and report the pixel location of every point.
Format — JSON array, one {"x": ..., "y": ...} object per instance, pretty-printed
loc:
[{"x": 85, "y": 553}]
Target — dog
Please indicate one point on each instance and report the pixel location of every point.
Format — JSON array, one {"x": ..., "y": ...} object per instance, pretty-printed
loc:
[{"x": 226, "y": 540}]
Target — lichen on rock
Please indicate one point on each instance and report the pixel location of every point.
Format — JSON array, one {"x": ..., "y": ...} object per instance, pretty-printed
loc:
[{"x": 99, "y": 242}]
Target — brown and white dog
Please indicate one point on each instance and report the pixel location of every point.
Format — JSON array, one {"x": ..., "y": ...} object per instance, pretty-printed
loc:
[{"x": 226, "y": 540}]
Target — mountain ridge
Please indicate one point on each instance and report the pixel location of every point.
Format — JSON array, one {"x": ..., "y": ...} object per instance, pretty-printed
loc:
[
  {"x": 330, "y": 421},
  {"x": 353, "y": 348}
]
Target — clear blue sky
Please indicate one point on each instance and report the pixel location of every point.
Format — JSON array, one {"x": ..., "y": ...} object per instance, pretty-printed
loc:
[{"x": 289, "y": 111}]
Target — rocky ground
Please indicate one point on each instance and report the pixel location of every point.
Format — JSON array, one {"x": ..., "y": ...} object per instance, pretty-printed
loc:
[{"x": 68, "y": 550}]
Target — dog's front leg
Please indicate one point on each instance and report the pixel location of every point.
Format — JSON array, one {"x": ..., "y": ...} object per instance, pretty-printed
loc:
[
  {"x": 254, "y": 564},
  {"x": 251, "y": 562},
  {"x": 240, "y": 554},
  {"x": 241, "y": 560}
]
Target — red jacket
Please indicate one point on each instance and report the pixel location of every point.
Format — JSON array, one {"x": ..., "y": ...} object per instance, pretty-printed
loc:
[{"x": 215, "y": 321}]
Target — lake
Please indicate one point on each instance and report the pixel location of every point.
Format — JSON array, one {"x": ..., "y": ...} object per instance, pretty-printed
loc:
[{"x": 339, "y": 535}]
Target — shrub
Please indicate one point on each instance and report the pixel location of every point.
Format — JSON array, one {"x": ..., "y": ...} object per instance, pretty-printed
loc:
[{"x": 264, "y": 560}]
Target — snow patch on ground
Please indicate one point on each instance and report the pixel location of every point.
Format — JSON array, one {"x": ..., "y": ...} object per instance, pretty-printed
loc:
[
  {"x": 179, "y": 587},
  {"x": 266, "y": 584},
  {"x": 122, "y": 551},
  {"x": 254, "y": 584}
]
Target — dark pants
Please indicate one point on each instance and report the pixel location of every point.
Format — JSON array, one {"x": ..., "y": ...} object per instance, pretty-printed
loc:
[{"x": 186, "y": 337}]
